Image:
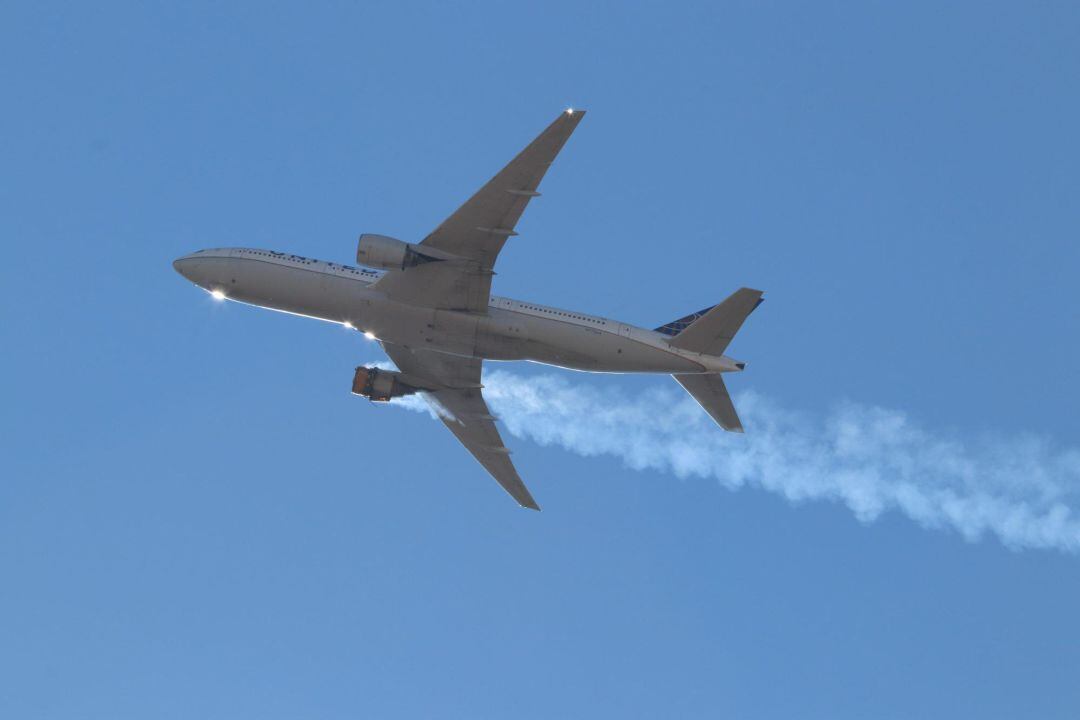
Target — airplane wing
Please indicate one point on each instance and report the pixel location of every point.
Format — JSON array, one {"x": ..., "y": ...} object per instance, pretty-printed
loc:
[
  {"x": 458, "y": 400},
  {"x": 477, "y": 231}
]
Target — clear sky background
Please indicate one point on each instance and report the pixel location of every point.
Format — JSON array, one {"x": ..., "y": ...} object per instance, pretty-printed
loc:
[{"x": 198, "y": 520}]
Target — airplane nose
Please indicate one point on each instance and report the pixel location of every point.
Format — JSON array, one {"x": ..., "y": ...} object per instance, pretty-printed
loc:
[
  {"x": 183, "y": 266},
  {"x": 207, "y": 271},
  {"x": 192, "y": 269}
]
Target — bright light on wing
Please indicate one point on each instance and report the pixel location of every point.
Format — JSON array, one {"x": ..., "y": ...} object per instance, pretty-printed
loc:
[
  {"x": 369, "y": 335},
  {"x": 218, "y": 294},
  {"x": 348, "y": 325}
]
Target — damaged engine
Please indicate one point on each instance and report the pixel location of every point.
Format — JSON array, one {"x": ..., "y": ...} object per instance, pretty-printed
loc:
[{"x": 379, "y": 385}]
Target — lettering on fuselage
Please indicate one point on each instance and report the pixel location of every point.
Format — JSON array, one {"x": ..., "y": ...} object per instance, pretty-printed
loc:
[{"x": 510, "y": 330}]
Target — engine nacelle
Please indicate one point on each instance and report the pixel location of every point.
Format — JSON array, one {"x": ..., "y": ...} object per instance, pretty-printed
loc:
[
  {"x": 387, "y": 253},
  {"x": 379, "y": 385}
]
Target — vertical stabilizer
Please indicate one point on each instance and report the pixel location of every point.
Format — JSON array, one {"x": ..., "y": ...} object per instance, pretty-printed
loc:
[{"x": 711, "y": 333}]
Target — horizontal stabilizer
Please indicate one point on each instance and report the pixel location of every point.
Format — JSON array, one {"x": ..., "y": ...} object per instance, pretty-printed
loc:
[
  {"x": 711, "y": 333},
  {"x": 712, "y": 395}
]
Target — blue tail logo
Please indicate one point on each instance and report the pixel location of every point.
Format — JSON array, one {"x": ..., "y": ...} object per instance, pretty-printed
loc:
[{"x": 675, "y": 327}]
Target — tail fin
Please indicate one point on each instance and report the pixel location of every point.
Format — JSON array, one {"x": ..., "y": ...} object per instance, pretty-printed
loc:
[
  {"x": 675, "y": 327},
  {"x": 712, "y": 396},
  {"x": 711, "y": 332}
]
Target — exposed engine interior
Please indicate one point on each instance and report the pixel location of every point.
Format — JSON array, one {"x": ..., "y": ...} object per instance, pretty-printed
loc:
[{"x": 379, "y": 385}]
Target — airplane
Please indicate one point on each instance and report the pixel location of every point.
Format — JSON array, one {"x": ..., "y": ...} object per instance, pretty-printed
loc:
[{"x": 430, "y": 307}]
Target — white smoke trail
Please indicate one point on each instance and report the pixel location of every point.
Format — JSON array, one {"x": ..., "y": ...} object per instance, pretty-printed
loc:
[{"x": 1023, "y": 490}]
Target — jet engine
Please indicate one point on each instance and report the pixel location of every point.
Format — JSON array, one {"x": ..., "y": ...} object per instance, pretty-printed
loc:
[
  {"x": 379, "y": 385},
  {"x": 387, "y": 253}
]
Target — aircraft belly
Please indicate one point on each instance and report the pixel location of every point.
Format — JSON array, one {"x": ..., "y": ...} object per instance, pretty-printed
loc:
[
  {"x": 502, "y": 335},
  {"x": 277, "y": 287},
  {"x": 638, "y": 357},
  {"x": 497, "y": 335},
  {"x": 425, "y": 328},
  {"x": 580, "y": 347},
  {"x": 299, "y": 291},
  {"x": 453, "y": 332}
]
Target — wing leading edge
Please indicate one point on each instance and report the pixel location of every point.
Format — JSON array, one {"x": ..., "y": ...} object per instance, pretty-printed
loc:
[
  {"x": 458, "y": 400},
  {"x": 476, "y": 232},
  {"x": 478, "y": 229}
]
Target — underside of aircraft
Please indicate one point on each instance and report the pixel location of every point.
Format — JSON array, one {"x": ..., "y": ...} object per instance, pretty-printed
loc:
[{"x": 429, "y": 304}]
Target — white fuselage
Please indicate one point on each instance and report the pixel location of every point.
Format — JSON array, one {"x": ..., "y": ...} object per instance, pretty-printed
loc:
[{"x": 510, "y": 330}]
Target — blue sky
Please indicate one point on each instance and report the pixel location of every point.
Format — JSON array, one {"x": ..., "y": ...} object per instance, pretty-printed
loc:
[{"x": 198, "y": 520}]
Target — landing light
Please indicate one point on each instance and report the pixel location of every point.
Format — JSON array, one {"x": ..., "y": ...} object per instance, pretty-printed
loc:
[
  {"x": 569, "y": 111},
  {"x": 347, "y": 325},
  {"x": 369, "y": 335},
  {"x": 218, "y": 294}
]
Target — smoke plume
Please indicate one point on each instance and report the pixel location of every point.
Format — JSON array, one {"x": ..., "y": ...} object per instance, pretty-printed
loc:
[{"x": 1023, "y": 490}]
